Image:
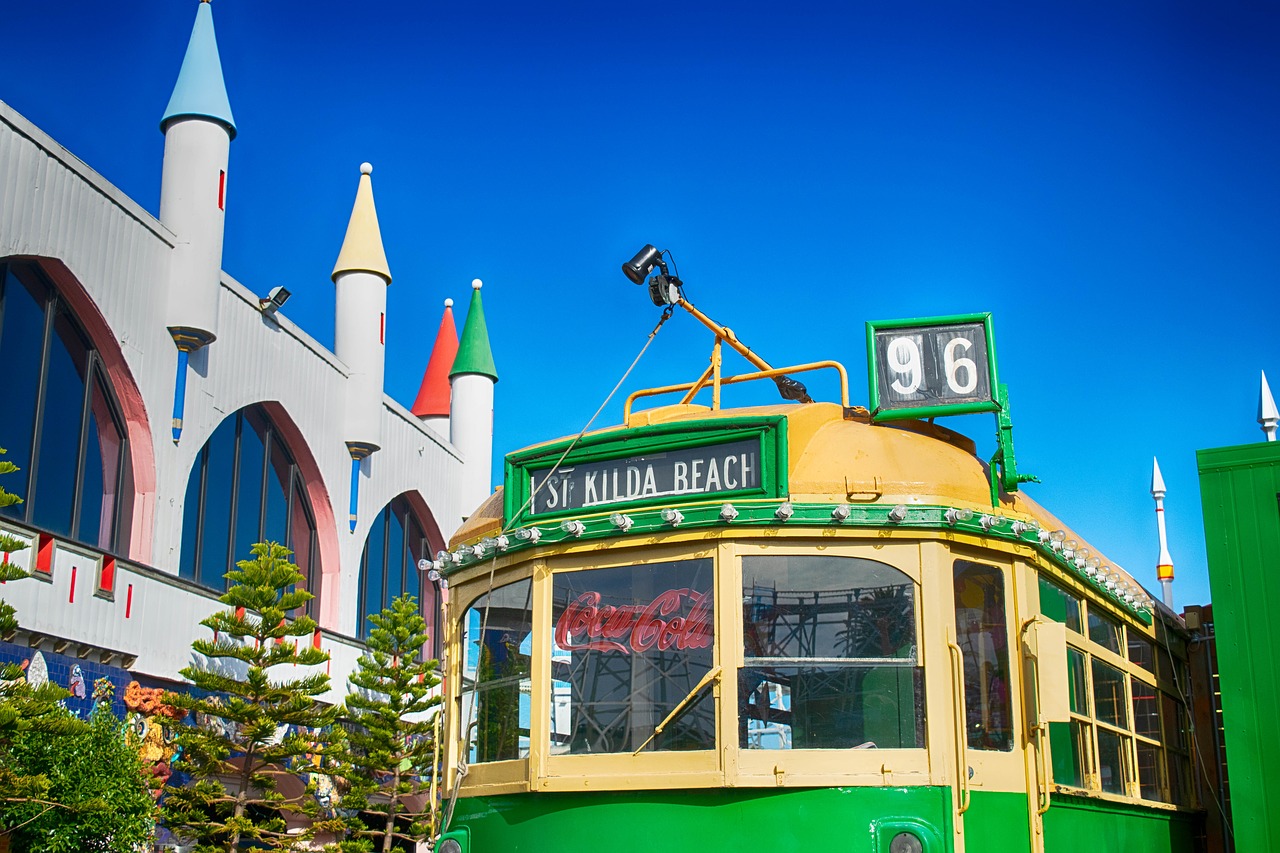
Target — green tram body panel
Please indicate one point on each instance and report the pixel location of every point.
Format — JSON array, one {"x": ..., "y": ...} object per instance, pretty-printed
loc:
[
  {"x": 708, "y": 820},
  {"x": 804, "y": 820},
  {"x": 1075, "y": 823}
]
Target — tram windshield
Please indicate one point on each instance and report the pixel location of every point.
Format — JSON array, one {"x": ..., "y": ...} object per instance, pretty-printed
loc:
[
  {"x": 830, "y": 658},
  {"x": 629, "y": 645}
]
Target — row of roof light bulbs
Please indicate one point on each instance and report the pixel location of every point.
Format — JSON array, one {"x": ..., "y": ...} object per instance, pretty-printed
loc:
[{"x": 1068, "y": 549}]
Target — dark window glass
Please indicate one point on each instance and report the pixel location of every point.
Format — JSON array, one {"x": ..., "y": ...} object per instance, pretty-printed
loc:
[
  {"x": 1104, "y": 631},
  {"x": 1059, "y": 605},
  {"x": 1111, "y": 761},
  {"x": 1149, "y": 770},
  {"x": 1146, "y": 709},
  {"x": 1175, "y": 730},
  {"x": 630, "y": 645},
  {"x": 69, "y": 444},
  {"x": 225, "y": 493},
  {"x": 1179, "y": 779},
  {"x": 1076, "y": 683},
  {"x": 276, "y": 526},
  {"x": 389, "y": 566},
  {"x": 983, "y": 637},
  {"x": 830, "y": 655},
  {"x": 54, "y": 495},
  {"x": 494, "y": 703},
  {"x": 395, "y": 557},
  {"x": 216, "y": 505},
  {"x": 1141, "y": 651},
  {"x": 250, "y": 468},
  {"x": 1110, "y": 704},
  {"x": 21, "y": 349},
  {"x": 187, "y": 560}
]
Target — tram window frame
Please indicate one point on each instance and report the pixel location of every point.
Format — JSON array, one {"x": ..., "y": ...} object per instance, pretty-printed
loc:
[
  {"x": 1154, "y": 769},
  {"x": 840, "y": 766},
  {"x": 648, "y": 769}
]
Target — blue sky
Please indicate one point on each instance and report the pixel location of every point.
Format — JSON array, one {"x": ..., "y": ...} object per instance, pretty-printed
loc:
[{"x": 1103, "y": 177}]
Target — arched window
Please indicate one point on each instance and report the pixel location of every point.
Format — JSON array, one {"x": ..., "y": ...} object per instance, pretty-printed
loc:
[
  {"x": 389, "y": 565},
  {"x": 245, "y": 488},
  {"x": 62, "y": 426}
]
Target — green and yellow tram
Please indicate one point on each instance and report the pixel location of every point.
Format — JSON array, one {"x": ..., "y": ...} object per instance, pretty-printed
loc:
[{"x": 790, "y": 627}]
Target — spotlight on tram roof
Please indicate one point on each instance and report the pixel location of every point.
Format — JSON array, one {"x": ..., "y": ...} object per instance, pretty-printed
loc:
[
  {"x": 573, "y": 527},
  {"x": 955, "y": 516},
  {"x": 621, "y": 521},
  {"x": 728, "y": 513},
  {"x": 664, "y": 288},
  {"x": 638, "y": 268},
  {"x": 674, "y": 517},
  {"x": 528, "y": 534}
]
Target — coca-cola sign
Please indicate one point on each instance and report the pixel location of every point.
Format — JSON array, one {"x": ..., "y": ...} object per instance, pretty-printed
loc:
[{"x": 675, "y": 619}]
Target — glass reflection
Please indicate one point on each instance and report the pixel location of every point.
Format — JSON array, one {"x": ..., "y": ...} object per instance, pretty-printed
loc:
[
  {"x": 494, "y": 701},
  {"x": 630, "y": 644},
  {"x": 830, "y": 655}
]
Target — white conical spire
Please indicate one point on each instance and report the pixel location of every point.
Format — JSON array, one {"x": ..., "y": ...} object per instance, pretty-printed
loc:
[
  {"x": 1164, "y": 563},
  {"x": 1268, "y": 415}
]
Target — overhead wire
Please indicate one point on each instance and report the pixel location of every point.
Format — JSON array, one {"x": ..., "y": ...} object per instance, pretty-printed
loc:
[{"x": 465, "y": 730}]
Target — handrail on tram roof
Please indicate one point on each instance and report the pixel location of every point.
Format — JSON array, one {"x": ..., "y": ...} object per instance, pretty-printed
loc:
[{"x": 692, "y": 388}]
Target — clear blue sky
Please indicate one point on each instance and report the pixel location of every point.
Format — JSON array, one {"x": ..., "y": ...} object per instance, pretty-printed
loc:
[{"x": 1103, "y": 177}]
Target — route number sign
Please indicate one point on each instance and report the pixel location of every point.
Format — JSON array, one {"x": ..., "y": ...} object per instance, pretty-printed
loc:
[{"x": 931, "y": 367}]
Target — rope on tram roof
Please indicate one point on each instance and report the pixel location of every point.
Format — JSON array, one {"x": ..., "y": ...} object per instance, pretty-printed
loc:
[{"x": 464, "y": 731}]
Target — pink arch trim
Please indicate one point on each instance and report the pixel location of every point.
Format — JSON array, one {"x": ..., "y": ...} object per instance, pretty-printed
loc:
[{"x": 142, "y": 456}]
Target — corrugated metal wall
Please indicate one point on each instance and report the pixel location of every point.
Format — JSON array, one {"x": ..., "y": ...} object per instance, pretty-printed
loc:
[
  {"x": 54, "y": 207},
  {"x": 1240, "y": 493}
]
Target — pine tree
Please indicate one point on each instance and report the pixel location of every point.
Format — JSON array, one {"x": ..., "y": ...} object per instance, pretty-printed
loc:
[
  {"x": 24, "y": 710},
  {"x": 8, "y": 544},
  {"x": 250, "y": 729},
  {"x": 391, "y": 758}
]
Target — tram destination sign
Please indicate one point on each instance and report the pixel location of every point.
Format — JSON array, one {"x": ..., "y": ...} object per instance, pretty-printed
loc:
[
  {"x": 713, "y": 469},
  {"x": 932, "y": 367}
]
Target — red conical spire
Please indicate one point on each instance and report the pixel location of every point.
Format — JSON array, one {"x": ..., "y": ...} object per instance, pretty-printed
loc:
[{"x": 433, "y": 396}]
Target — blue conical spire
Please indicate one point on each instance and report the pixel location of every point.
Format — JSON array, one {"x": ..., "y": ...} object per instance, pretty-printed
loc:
[{"x": 200, "y": 90}]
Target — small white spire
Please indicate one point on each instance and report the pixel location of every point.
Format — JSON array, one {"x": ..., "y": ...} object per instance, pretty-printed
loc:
[
  {"x": 1268, "y": 414},
  {"x": 1164, "y": 563},
  {"x": 476, "y": 284}
]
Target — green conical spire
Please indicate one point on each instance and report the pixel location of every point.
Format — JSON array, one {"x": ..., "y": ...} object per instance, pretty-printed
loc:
[{"x": 474, "y": 354}]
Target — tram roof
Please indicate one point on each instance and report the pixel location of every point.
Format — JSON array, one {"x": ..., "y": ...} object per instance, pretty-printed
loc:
[{"x": 836, "y": 455}]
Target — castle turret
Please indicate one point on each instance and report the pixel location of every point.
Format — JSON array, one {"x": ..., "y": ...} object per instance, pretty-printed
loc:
[
  {"x": 471, "y": 407},
  {"x": 432, "y": 403},
  {"x": 361, "y": 276},
  {"x": 198, "y": 129}
]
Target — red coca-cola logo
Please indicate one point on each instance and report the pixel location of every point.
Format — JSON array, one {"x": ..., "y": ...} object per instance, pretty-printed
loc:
[{"x": 585, "y": 625}]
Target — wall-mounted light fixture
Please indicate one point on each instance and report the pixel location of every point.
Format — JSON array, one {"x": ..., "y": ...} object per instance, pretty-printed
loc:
[{"x": 274, "y": 301}]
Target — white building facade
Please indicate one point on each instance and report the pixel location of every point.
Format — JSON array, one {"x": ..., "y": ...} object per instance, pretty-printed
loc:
[{"x": 165, "y": 416}]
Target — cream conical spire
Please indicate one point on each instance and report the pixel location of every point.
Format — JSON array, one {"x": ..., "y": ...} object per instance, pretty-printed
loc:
[{"x": 362, "y": 247}]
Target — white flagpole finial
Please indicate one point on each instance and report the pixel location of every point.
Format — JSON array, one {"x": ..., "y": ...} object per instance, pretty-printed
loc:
[{"x": 1268, "y": 414}]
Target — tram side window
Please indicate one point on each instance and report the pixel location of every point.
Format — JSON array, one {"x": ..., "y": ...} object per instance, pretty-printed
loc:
[
  {"x": 983, "y": 636},
  {"x": 496, "y": 638},
  {"x": 1127, "y": 732},
  {"x": 830, "y": 657},
  {"x": 631, "y": 645}
]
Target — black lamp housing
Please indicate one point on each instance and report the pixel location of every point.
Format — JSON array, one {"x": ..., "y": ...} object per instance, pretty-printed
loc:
[{"x": 638, "y": 268}]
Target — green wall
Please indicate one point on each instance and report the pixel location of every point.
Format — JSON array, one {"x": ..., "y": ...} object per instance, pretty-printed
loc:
[{"x": 1240, "y": 493}]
